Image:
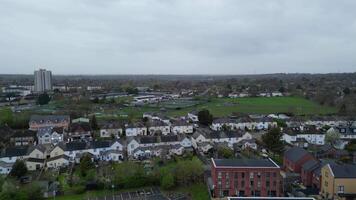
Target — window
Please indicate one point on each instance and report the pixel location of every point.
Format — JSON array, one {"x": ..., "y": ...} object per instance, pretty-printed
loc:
[
  {"x": 340, "y": 189},
  {"x": 219, "y": 174},
  {"x": 326, "y": 184},
  {"x": 243, "y": 174},
  {"x": 251, "y": 174},
  {"x": 326, "y": 174}
]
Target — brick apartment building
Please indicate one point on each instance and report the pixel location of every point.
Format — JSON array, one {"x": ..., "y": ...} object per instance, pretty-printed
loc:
[{"x": 246, "y": 178}]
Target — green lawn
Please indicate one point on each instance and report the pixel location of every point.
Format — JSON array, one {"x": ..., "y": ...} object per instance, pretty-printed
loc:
[
  {"x": 220, "y": 107},
  {"x": 197, "y": 191},
  {"x": 265, "y": 105}
]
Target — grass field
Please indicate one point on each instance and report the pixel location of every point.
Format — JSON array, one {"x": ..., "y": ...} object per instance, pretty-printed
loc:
[
  {"x": 197, "y": 191},
  {"x": 255, "y": 105},
  {"x": 261, "y": 105}
]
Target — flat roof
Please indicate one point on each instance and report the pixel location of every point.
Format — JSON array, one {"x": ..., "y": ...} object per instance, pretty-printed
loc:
[{"x": 243, "y": 163}]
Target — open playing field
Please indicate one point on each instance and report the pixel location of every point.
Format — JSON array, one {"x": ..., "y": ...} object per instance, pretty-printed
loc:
[
  {"x": 255, "y": 105},
  {"x": 262, "y": 105}
]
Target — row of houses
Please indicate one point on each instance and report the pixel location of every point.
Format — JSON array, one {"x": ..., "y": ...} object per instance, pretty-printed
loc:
[
  {"x": 333, "y": 180},
  {"x": 243, "y": 123},
  {"x": 152, "y": 127},
  {"x": 206, "y": 139},
  {"x": 143, "y": 146},
  {"x": 60, "y": 155},
  {"x": 310, "y": 135}
]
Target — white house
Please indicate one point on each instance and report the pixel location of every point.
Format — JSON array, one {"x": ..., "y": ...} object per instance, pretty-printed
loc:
[
  {"x": 186, "y": 142},
  {"x": 58, "y": 161},
  {"x": 5, "y": 168},
  {"x": 157, "y": 126},
  {"x": 142, "y": 144},
  {"x": 111, "y": 129},
  {"x": 11, "y": 154},
  {"x": 50, "y": 135},
  {"x": 181, "y": 127},
  {"x": 193, "y": 116},
  {"x": 264, "y": 123},
  {"x": 311, "y": 136},
  {"x": 230, "y": 137},
  {"x": 135, "y": 129},
  {"x": 218, "y": 124},
  {"x": 112, "y": 155}
]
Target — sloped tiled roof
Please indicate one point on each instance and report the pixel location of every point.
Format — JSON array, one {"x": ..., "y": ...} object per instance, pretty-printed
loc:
[{"x": 295, "y": 153}]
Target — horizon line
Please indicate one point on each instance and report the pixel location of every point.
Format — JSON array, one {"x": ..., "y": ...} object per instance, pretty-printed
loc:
[{"x": 248, "y": 74}]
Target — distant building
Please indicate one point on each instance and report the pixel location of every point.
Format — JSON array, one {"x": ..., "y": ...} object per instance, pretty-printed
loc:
[
  {"x": 43, "y": 80},
  {"x": 43, "y": 121},
  {"x": 246, "y": 178}
]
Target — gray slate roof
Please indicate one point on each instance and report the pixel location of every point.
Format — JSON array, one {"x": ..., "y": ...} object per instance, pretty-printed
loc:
[
  {"x": 295, "y": 153},
  {"x": 343, "y": 170},
  {"x": 53, "y": 118},
  {"x": 244, "y": 163},
  {"x": 310, "y": 165}
]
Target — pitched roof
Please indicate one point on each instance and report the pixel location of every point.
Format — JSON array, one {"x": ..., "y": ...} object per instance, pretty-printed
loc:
[
  {"x": 169, "y": 138},
  {"x": 310, "y": 165},
  {"x": 343, "y": 170},
  {"x": 75, "y": 146},
  {"x": 52, "y": 118},
  {"x": 112, "y": 125},
  {"x": 15, "y": 151},
  {"x": 244, "y": 163},
  {"x": 80, "y": 127},
  {"x": 36, "y": 160},
  {"x": 148, "y": 139},
  {"x": 100, "y": 144},
  {"x": 58, "y": 157},
  {"x": 295, "y": 153}
]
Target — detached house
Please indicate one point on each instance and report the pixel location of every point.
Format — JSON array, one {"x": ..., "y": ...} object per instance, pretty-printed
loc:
[{"x": 41, "y": 121}]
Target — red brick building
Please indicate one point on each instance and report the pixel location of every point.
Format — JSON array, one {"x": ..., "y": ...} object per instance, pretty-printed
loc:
[
  {"x": 246, "y": 177},
  {"x": 294, "y": 158}
]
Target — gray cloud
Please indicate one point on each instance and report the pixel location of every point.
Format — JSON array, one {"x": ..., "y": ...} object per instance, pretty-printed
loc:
[{"x": 177, "y": 36}]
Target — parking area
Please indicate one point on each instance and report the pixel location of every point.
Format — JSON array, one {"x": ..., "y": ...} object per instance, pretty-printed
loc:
[{"x": 141, "y": 194}]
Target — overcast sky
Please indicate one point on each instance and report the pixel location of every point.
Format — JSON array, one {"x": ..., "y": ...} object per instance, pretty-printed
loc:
[{"x": 177, "y": 37}]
